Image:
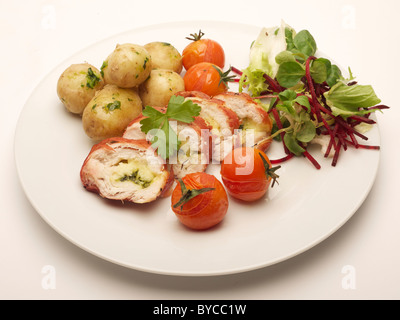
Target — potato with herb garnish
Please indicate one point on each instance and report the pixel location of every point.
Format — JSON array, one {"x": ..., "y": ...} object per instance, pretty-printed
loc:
[
  {"x": 160, "y": 87},
  {"x": 127, "y": 66},
  {"x": 110, "y": 111},
  {"x": 164, "y": 56},
  {"x": 77, "y": 85}
]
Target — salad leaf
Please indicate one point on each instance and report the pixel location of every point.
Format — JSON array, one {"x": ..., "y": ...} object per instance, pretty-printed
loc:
[
  {"x": 303, "y": 100},
  {"x": 319, "y": 71},
  {"x": 284, "y": 56},
  {"x": 334, "y": 74},
  {"x": 290, "y": 73},
  {"x": 287, "y": 95},
  {"x": 292, "y": 144},
  {"x": 287, "y": 106},
  {"x": 289, "y": 35},
  {"x": 306, "y": 131},
  {"x": 307, "y": 95},
  {"x": 302, "y": 129},
  {"x": 347, "y": 100},
  {"x": 300, "y": 46},
  {"x": 305, "y": 43},
  {"x": 270, "y": 42},
  {"x": 264, "y": 50},
  {"x": 254, "y": 80}
]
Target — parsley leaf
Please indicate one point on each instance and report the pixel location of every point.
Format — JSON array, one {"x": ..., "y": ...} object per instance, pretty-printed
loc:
[
  {"x": 162, "y": 136},
  {"x": 155, "y": 119},
  {"x": 165, "y": 141},
  {"x": 182, "y": 110}
]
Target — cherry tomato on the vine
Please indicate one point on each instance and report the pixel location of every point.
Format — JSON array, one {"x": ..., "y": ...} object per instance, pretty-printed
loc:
[
  {"x": 247, "y": 173},
  {"x": 202, "y": 50},
  {"x": 199, "y": 201},
  {"x": 207, "y": 78}
]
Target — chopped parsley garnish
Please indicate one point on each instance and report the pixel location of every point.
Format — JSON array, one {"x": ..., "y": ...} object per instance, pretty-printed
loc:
[
  {"x": 135, "y": 178},
  {"x": 103, "y": 66},
  {"x": 112, "y": 106},
  {"x": 145, "y": 62},
  {"x": 91, "y": 79}
]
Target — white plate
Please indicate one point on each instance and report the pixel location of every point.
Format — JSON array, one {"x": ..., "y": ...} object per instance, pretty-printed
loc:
[{"x": 305, "y": 208}]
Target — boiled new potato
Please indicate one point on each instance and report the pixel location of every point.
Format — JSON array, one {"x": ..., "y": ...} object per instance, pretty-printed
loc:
[
  {"x": 159, "y": 87},
  {"x": 77, "y": 85},
  {"x": 110, "y": 111},
  {"x": 127, "y": 66},
  {"x": 164, "y": 56}
]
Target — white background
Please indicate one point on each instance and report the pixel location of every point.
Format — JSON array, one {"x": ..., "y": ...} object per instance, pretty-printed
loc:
[{"x": 36, "y": 36}]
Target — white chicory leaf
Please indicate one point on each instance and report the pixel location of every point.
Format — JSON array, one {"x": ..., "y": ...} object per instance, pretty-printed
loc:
[{"x": 270, "y": 42}]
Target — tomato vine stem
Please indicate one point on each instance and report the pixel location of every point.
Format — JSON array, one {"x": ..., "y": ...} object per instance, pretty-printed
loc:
[{"x": 188, "y": 194}]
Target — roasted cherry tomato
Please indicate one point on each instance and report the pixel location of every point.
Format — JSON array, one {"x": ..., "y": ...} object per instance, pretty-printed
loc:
[
  {"x": 247, "y": 173},
  {"x": 199, "y": 201},
  {"x": 208, "y": 78},
  {"x": 202, "y": 50}
]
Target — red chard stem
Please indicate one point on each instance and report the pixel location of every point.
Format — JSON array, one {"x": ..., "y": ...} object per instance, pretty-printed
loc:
[
  {"x": 273, "y": 84},
  {"x": 237, "y": 71},
  {"x": 279, "y": 125},
  {"x": 311, "y": 158},
  {"x": 361, "y": 119},
  {"x": 277, "y": 161},
  {"x": 380, "y": 107}
]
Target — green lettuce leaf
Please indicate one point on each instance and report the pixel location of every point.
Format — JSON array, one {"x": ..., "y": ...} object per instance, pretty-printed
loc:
[
  {"x": 253, "y": 80},
  {"x": 347, "y": 100}
]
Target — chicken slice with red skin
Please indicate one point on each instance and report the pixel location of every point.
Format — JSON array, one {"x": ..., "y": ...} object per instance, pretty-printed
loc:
[
  {"x": 126, "y": 170},
  {"x": 252, "y": 116},
  {"x": 194, "y": 152},
  {"x": 220, "y": 118},
  {"x": 193, "y": 94}
]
